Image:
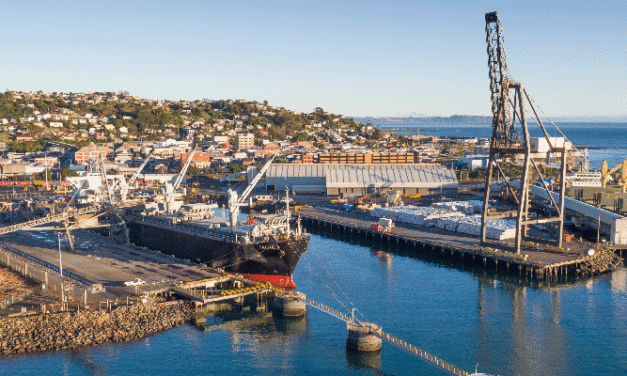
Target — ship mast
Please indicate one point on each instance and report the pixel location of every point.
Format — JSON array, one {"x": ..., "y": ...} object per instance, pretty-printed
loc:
[{"x": 287, "y": 209}]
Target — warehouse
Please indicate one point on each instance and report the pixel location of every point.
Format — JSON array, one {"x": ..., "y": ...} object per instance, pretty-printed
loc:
[{"x": 351, "y": 180}]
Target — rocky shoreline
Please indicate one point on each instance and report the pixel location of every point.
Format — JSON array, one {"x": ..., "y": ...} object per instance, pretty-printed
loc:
[
  {"x": 69, "y": 330},
  {"x": 605, "y": 261}
]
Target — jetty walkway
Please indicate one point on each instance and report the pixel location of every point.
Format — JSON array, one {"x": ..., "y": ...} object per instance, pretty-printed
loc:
[{"x": 375, "y": 330}]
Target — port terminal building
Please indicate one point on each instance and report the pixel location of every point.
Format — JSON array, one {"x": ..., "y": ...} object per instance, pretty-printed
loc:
[{"x": 351, "y": 180}]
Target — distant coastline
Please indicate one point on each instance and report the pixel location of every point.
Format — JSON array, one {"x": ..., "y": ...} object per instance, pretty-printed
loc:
[{"x": 475, "y": 119}]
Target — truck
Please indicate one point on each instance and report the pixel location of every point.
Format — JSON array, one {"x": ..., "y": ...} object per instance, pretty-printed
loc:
[{"x": 384, "y": 225}]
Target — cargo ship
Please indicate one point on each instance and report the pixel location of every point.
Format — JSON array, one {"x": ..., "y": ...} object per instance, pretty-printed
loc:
[{"x": 263, "y": 248}]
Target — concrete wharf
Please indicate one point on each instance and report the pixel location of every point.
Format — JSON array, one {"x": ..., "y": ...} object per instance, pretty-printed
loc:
[
  {"x": 205, "y": 291},
  {"x": 538, "y": 265}
]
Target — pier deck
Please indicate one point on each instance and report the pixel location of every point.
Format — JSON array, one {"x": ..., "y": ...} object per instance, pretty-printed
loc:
[
  {"x": 538, "y": 263},
  {"x": 104, "y": 262}
]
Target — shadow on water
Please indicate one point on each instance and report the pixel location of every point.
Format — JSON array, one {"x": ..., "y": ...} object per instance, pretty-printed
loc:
[
  {"x": 365, "y": 360},
  {"x": 512, "y": 279}
]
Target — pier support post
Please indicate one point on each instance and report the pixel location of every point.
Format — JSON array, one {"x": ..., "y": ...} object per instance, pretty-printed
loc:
[
  {"x": 290, "y": 304},
  {"x": 360, "y": 336}
]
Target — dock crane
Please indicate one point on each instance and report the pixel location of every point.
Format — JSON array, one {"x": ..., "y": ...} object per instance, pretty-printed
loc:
[
  {"x": 124, "y": 190},
  {"x": 235, "y": 201},
  {"x": 169, "y": 190},
  {"x": 108, "y": 201},
  {"x": 606, "y": 174},
  {"x": 508, "y": 144}
]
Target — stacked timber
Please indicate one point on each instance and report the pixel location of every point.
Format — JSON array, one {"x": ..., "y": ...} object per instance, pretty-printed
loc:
[
  {"x": 466, "y": 207},
  {"x": 499, "y": 229},
  {"x": 415, "y": 215},
  {"x": 450, "y": 216}
]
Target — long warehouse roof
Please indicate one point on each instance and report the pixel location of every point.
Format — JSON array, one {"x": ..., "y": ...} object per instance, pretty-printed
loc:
[{"x": 370, "y": 175}]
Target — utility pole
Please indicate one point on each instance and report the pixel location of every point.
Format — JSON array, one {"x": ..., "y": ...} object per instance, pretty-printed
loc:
[{"x": 61, "y": 270}]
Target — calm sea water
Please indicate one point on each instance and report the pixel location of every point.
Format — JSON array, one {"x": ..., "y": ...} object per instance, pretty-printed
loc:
[
  {"x": 466, "y": 316},
  {"x": 605, "y": 141}
]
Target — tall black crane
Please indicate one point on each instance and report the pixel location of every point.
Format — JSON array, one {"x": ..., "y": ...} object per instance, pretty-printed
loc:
[{"x": 507, "y": 144}]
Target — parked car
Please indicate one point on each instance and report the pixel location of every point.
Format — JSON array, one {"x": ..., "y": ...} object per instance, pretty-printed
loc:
[{"x": 136, "y": 282}]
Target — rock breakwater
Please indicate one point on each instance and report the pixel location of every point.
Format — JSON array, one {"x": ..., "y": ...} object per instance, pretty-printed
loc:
[
  {"x": 87, "y": 328},
  {"x": 604, "y": 261}
]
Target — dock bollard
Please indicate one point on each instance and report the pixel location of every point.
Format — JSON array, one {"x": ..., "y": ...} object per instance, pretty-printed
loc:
[
  {"x": 288, "y": 304},
  {"x": 360, "y": 337}
]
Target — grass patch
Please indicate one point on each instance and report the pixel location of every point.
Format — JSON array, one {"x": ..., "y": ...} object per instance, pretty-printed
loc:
[
  {"x": 552, "y": 248},
  {"x": 484, "y": 249},
  {"x": 515, "y": 256}
]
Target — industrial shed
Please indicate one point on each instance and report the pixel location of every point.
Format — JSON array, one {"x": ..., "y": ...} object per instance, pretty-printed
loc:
[{"x": 358, "y": 179}]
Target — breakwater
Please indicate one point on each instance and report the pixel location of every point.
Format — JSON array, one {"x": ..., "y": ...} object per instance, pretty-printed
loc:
[{"x": 67, "y": 330}]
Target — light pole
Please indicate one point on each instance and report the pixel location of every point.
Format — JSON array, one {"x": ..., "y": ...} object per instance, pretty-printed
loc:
[{"x": 61, "y": 270}]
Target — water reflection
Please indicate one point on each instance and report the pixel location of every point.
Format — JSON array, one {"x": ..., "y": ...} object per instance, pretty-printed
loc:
[
  {"x": 364, "y": 360},
  {"x": 534, "y": 343}
]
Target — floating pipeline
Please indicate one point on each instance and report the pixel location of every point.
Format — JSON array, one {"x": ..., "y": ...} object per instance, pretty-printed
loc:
[{"x": 68, "y": 330}]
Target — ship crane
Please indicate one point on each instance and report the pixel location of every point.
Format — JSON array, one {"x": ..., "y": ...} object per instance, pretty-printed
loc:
[
  {"x": 606, "y": 175},
  {"x": 124, "y": 190},
  {"x": 169, "y": 190},
  {"x": 235, "y": 201}
]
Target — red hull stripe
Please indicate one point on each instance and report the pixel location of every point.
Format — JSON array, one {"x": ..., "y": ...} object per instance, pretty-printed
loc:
[{"x": 284, "y": 281}]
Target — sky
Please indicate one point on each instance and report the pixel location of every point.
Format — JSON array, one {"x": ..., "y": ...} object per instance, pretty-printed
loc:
[{"x": 356, "y": 58}]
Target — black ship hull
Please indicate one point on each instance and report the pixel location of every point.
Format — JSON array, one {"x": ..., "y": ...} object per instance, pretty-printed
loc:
[{"x": 271, "y": 261}]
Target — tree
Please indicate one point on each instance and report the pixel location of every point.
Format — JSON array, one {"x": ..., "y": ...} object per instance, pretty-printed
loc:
[
  {"x": 235, "y": 167},
  {"x": 68, "y": 172},
  {"x": 302, "y": 136},
  {"x": 192, "y": 170},
  {"x": 42, "y": 175}
]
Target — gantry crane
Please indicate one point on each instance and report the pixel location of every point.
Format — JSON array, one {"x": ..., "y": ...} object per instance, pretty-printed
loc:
[{"x": 508, "y": 143}]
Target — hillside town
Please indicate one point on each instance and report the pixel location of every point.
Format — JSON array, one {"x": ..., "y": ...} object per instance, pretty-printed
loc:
[{"x": 63, "y": 132}]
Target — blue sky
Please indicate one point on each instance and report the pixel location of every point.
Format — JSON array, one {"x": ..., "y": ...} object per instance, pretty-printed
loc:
[{"x": 358, "y": 58}]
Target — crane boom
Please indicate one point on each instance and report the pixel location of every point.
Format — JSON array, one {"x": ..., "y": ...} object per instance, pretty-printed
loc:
[
  {"x": 606, "y": 174},
  {"x": 504, "y": 133},
  {"x": 141, "y": 167},
  {"x": 181, "y": 174},
  {"x": 253, "y": 183},
  {"x": 136, "y": 174}
]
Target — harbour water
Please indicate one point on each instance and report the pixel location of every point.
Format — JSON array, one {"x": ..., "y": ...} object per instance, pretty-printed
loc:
[
  {"x": 509, "y": 326},
  {"x": 605, "y": 141}
]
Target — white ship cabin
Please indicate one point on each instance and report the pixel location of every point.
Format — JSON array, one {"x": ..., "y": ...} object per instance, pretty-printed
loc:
[
  {"x": 585, "y": 179},
  {"x": 159, "y": 208}
]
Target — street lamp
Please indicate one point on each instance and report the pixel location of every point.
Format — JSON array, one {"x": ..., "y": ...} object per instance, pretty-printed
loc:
[{"x": 61, "y": 269}]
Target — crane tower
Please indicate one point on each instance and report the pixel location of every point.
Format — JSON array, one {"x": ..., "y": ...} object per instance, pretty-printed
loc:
[{"x": 510, "y": 141}]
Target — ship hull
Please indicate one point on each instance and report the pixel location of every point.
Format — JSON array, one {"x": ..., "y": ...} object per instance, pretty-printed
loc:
[{"x": 271, "y": 261}]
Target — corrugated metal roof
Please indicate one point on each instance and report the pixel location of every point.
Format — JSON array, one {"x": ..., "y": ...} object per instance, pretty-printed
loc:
[{"x": 368, "y": 175}]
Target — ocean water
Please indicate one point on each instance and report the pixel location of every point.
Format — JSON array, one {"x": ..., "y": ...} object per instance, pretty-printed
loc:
[
  {"x": 506, "y": 325},
  {"x": 604, "y": 141}
]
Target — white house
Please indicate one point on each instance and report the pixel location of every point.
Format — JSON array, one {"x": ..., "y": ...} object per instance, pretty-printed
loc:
[{"x": 56, "y": 124}]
